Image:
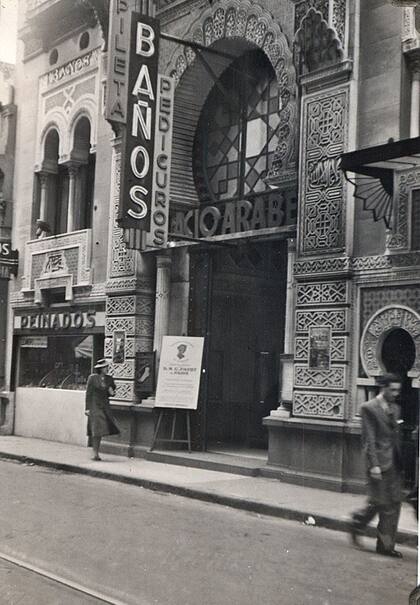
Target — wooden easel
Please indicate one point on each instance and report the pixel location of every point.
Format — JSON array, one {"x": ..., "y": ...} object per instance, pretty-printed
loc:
[{"x": 172, "y": 439}]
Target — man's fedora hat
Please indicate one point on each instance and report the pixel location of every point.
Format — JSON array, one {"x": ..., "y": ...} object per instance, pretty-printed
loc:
[{"x": 101, "y": 363}]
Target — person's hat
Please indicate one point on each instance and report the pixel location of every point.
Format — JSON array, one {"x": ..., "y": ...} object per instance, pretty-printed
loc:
[{"x": 101, "y": 363}]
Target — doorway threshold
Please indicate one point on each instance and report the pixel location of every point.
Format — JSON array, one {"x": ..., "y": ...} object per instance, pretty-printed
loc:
[{"x": 225, "y": 460}]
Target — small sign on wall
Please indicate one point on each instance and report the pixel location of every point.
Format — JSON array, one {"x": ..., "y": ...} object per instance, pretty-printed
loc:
[
  {"x": 320, "y": 348},
  {"x": 118, "y": 347},
  {"x": 34, "y": 342},
  {"x": 145, "y": 371}
]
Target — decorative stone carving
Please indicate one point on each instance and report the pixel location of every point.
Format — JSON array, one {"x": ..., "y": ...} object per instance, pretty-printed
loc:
[
  {"x": 397, "y": 238},
  {"x": 65, "y": 94},
  {"x": 121, "y": 305},
  {"x": 372, "y": 299},
  {"x": 125, "y": 390},
  {"x": 317, "y": 45},
  {"x": 122, "y": 259},
  {"x": 69, "y": 253},
  {"x": 320, "y": 405},
  {"x": 333, "y": 378},
  {"x": 378, "y": 327},
  {"x": 325, "y": 119},
  {"x": 337, "y": 320},
  {"x": 123, "y": 370},
  {"x": 302, "y": 8},
  {"x": 321, "y": 266},
  {"x": 242, "y": 19},
  {"x": 339, "y": 349},
  {"x": 321, "y": 293}
]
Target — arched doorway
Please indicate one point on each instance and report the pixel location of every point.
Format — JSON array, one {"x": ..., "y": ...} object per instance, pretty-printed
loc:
[{"x": 398, "y": 355}]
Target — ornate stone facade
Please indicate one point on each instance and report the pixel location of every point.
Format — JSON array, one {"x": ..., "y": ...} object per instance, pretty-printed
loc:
[
  {"x": 324, "y": 138},
  {"x": 129, "y": 302},
  {"x": 243, "y": 23},
  {"x": 378, "y": 327},
  {"x": 398, "y": 239}
]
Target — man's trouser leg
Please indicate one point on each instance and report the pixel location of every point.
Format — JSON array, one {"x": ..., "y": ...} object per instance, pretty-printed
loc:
[
  {"x": 362, "y": 517},
  {"x": 387, "y": 526}
]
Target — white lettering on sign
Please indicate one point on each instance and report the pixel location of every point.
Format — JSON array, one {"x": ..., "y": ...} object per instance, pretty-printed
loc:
[
  {"x": 159, "y": 212},
  {"x": 118, "y": 53},
  {"x": 135, "y": 200},
  {"x": 262, "y": 212},
  {"x": 56, "y": 321},
  {"x": 5, "y": 248}
]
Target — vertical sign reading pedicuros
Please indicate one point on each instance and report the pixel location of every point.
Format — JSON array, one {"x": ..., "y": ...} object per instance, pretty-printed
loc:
[
  {"x": 179, "y": 372},
  {"x": 159, "y": 213},
  {"x": 138, "y": 151}
]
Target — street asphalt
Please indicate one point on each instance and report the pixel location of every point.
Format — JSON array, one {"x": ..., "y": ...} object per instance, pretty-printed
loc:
[{"x": 148, "y": 548}]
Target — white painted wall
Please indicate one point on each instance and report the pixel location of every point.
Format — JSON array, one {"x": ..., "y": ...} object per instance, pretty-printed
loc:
[{"x": 51, "y": 414}]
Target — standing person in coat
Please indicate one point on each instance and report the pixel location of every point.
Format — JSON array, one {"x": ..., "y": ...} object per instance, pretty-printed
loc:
[
  {"x": 100, "y": 386},
  {"x": 381, "y": 445}
]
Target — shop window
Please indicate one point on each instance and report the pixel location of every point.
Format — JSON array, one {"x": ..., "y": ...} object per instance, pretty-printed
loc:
[
  {"x": 415, "y": 220},
  {"x": 58, "y": 362},
  {"x": 238, "y": 131}
]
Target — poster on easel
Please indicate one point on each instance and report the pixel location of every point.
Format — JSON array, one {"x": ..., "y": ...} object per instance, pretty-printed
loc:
[{"x": 179, "y": 372}]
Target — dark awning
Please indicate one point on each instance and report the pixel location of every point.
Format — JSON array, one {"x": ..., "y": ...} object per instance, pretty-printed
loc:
[{"x": 374, "y": 167}]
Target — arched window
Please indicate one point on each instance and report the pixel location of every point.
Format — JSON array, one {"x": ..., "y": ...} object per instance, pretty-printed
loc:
[
  {"x": 85, "y": 174},
  {"x": 238, "y": 131},
  {"x": 51, "y": 204}
]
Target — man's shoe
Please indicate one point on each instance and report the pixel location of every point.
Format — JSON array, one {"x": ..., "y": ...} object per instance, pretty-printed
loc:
[
  {"x": 355, "y": 536},
  {"x": 396, "y": 554}
]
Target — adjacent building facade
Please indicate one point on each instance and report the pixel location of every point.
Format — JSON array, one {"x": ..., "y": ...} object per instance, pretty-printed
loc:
[{"x": 272, "y": 256}]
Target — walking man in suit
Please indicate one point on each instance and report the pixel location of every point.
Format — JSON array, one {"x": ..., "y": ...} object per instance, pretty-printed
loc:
[{"x": 381, "y": 446}]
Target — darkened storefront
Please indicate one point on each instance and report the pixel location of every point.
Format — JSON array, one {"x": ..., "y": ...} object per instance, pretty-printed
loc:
[{"x": 238, "y": 262}]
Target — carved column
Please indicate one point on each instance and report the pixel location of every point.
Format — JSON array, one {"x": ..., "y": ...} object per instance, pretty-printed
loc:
[
  {"x": 163, "y": 287},
  {"x": 72, "y": 170},
  {"x": 286, "y": 360},
  {"x": 43, "y": 203},
  {"x": 415, "y": 98}
]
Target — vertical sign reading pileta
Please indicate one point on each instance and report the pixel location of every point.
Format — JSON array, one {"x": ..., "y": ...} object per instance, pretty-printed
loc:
[
  {"x": 118, "y": 57},
  {"x": 159, "y": 213},
  {"x": 179, "y": 372},
  {"x": 138, "y": 152}
]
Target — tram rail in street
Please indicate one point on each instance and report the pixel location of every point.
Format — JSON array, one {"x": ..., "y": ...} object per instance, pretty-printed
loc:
[{"x": 58, "y": 579}]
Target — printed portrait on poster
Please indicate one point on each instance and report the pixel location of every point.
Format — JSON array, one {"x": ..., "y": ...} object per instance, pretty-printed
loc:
[
  {"x": 320, "y": 348},
  {"x": 145, "y": 371},
  {"x": 118, "y": 347}
]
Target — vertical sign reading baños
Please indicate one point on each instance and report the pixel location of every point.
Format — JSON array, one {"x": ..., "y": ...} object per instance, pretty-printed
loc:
[
  {"x": 179, "y": 372},
  {"x": 159, "y": 214},
  {"x": 138, "y": 152}
]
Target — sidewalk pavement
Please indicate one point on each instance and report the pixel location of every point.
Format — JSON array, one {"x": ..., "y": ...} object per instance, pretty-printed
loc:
[{"x": 258, "y": 494}]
